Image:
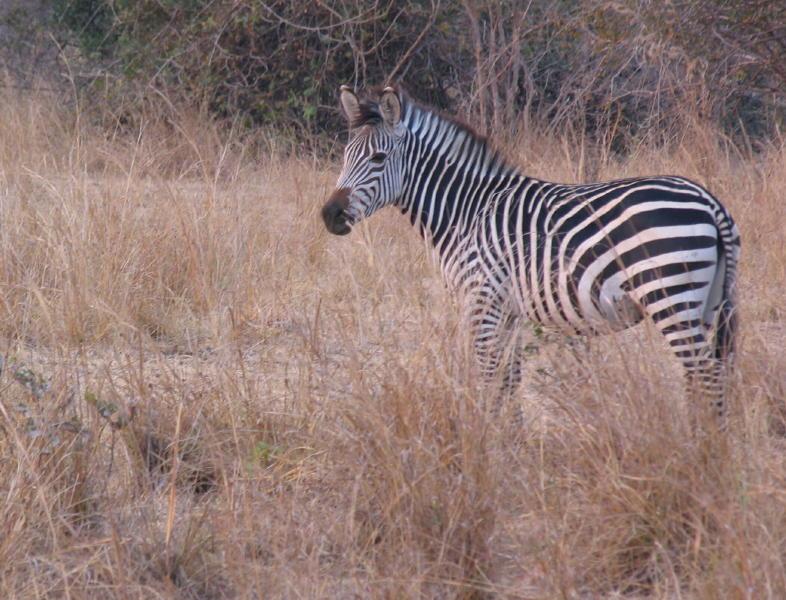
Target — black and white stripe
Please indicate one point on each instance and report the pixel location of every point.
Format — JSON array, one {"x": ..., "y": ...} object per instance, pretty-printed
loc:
[{"x": 584, "y": 259}]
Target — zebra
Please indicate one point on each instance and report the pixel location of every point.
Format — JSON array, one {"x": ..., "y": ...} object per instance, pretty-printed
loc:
[{"x": 583, "y": 259}]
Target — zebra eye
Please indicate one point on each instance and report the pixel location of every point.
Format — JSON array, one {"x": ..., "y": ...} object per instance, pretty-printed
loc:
[{"x": 378, "y": 158}]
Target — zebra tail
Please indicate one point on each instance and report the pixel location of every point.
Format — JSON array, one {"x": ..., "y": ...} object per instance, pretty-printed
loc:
[{"x": 727, "y": 322}]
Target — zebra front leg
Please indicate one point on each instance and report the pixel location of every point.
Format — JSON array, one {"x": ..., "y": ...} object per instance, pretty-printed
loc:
[{"x": 499, "y": 353}]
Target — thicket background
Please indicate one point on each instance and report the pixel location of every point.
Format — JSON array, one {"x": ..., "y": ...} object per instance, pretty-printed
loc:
[{"x": 626, "y": 68}]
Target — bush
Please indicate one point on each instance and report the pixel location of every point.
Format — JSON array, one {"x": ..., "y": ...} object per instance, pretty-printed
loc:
[{"x": 630, "y": 68}]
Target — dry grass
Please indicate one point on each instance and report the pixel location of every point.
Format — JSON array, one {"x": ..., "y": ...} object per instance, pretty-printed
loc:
[{"x": 221, "y": 400}]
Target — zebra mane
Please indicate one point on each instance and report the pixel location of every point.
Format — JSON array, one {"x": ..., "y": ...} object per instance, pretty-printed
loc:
[
  {"x": 368, "y": 107},
  {"x": 369, "y": 114}
]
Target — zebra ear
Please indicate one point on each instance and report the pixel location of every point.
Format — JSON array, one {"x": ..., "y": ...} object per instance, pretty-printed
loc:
[
  {"x": 390, "y": 106},
  {"x": 349, "y": 104}
]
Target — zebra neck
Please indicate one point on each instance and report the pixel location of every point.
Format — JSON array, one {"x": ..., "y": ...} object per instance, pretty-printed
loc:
[{"x": 453, "y": 174}]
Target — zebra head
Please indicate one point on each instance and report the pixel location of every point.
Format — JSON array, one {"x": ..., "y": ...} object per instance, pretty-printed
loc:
[{"x": 372, "y": 174}]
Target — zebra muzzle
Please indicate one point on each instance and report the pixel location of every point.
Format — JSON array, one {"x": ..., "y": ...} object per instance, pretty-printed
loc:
[{"x": 334, "y": 213}]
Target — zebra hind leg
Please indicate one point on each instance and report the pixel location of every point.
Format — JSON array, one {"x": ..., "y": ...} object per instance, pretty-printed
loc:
[
  {"x": 723, "y": 339},
  {"x": 693, "y": 344},
  {"x": 705, "y": 381}
]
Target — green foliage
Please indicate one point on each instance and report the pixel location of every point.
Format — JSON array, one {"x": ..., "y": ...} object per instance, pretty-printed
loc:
[
  {"x": 91, "y": 22},
  {"x": 264, "y": 454}
]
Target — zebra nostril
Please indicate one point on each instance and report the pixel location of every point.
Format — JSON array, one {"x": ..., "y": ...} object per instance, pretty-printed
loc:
[
  {"x": 335, "y": 219},
  {"x": 334, "y": 212}
]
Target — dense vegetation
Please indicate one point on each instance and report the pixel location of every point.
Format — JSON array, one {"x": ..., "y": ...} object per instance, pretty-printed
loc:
[{"x": 623, "y": 68}]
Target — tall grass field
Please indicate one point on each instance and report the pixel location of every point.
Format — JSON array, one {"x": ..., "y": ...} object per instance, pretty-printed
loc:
[{"x": 206, "y": 395}]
